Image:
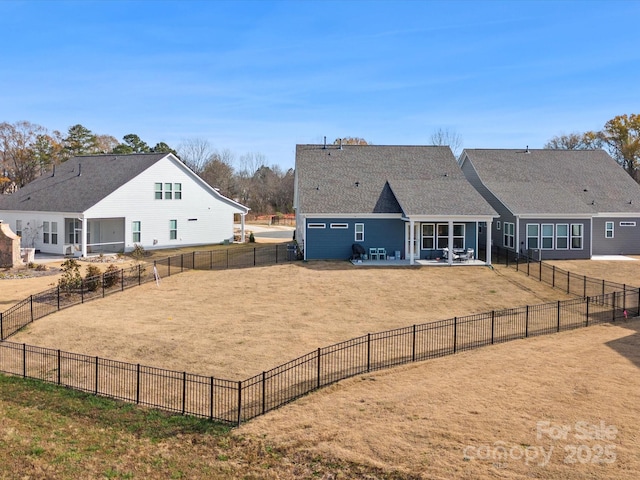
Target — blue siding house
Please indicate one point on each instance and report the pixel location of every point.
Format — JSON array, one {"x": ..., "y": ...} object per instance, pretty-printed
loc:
[
  {"x": 411, "y": 201},
  {"x": 557, "y": 204}
]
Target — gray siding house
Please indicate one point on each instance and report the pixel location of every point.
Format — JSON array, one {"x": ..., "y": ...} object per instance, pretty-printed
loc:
[
  {"x": 557, "y": 204},
  {"x": 413, "y": 201}
]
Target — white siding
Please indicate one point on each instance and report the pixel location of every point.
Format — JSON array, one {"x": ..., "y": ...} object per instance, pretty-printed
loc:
[
  {"x": 34, "y": 237},
  {"x": 201, "y": 215}
]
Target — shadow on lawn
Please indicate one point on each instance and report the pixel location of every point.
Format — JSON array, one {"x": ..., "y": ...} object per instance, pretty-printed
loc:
[{"x": 628, "y": 346}]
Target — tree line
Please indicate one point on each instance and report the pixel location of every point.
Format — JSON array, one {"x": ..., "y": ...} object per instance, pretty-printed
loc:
[{"x": 28, "y": 150}]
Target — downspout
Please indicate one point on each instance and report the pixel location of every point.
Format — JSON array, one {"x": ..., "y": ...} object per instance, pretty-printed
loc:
[
  {"x": 488, "y": 246},
  {"x": 450, "y": 243},
  {"x": 411, "y": 242}
]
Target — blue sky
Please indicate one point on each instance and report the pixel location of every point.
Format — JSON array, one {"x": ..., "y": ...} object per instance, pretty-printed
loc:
[{"x": 262, "y": 76}]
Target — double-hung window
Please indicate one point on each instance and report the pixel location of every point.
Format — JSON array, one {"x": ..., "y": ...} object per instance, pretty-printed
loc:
[
  {"x": 54, "y": 233},
  {"x": 533, "y": 231},
  {"x": 547, "y": 236},
  {"x": 19, "y": 228},
  {"x": 173, "y": 229},
  {"x": 136, "y": 230},
  {"x": 608, "y": 229},
  {"x": 576, "y": 236},
  {"x": 562, "y": 236},
  {"x": 359, "y": 232},
  {"x": 509, "y": 236},
  {"x": 45, "y": 232},
  {"x": 428, "y": 236}
]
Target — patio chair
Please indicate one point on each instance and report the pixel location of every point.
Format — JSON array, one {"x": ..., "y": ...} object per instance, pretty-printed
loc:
[
  {"x": 382, "y": 254},
  {"x": 373, "y": 253},
  {"x": 445, "y": 254}
]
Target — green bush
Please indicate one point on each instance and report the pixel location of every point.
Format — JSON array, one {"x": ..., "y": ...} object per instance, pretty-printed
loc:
[{"x": 71, "y": 278}]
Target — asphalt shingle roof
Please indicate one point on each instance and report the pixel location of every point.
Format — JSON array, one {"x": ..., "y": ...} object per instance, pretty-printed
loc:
[
  {"x": 79, "y": 183},
  {"x": 556, "y": 181},
  {"x": 365, "y": 179}
]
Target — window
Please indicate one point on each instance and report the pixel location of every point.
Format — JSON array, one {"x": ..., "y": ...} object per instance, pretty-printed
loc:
[
  {"x": 627, "y": 224},
  {"x": 135, "y": 229},
  {"x": 608, "y": 229},
  {"x": 54, "y": 233},
  {"x": 442, "y": 230},
  {"x": 428, "y": 236},
  {"x": 498, "y": 225},
  {"x": 45, "y": 232},
  {"x": 19, "y": 228},
  {"x": 177, "y": 191},
  {"x": 547, "y": 236},
  {"x": 533, "y": 229},
  {"x": 158, "y": 191},
  {"x": 73, "y": 230},
  {"x": 509, "y": 237},
  {"x": 167, "y": 191},
  {"x": 562, "y": 236},
  {"x": 576, "y": 236},
  {"x": 316, "y": 225},
  {"x": 173, "y": 229},
  {"x": 458, "y": 235},
  {"x": 359, "y": 228},
  {"x": 339, "y": 225}
]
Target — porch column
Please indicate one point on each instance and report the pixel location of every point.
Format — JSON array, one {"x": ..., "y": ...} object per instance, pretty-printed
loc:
[
  {"x": 489, "y": 242},
  {"x": 450, "y": 243},
  {"x": 83, "y": 239},
  {"x": 411, "y": 242},
  {"x": 242, "y": 227}
]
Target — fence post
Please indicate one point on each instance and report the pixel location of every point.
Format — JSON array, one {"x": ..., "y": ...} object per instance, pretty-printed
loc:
[
  {"x": 24, "y": 360},
  {"x": 59, "y": 367},
  {"x": 181, "y": 262},
  {"x": 318, "y": 384},
  {"x": 526, "y": 323},
  {"x": 624, "y": 297},
  {"x": 586, "y": 324},
  {"x": 493, "y": 318},
  {"x": 603, "y": 286},
  {"x": 558, "y": 315},
  {"x": 211, "y": 404},
  {"x": 210, "y": 259},
  {"x": 31, "y": 299},
  {"x": 540, "y": 267},
  {"x": 455, "y": 334},
  {"x": 276, "y": 253},
  {"x": 413, "y": 344},
  {"x": 568, "y": 282},
  {"x": 1, "y": 328},
  {"x": 553, "y": 277},
  {"x": 227, "y": 258},
  {"x": 58, "y": 297},
  {"x": 613, "y": 307},
  {"x": 193, "y": 260},
  {"x": 82, "y": 291},
  {"x": 254, "y": 256},
  {"x": 239, "y": 402},
  {"x": 638, "y": 302},
  {"x": 122, "y": 279},
  {"x": 368, "y": 352},
  {"x": 138, "y": 384},
  {"x": 139, "y": 274},
  {"x": 264, "y": 395},
  {"x": 104, "y": 276},
  {"x": 184, "y": 392},
  {"x": 528, "y": 265},
  {"x": 168, "y": 266},
  {"x": 96, "y": 389},
  {"x": 584, "y": 290}
]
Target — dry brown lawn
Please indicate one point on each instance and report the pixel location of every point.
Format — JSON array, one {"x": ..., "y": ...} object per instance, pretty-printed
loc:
[
  {"x": 472, "y": 415},
  {"x": 236, "y": 323}
]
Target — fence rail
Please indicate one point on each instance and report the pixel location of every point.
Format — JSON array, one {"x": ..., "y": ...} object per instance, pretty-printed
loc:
[{"x": 235, "y": 402}]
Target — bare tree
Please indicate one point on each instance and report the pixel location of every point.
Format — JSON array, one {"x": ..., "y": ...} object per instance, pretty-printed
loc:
[
  {"x": 449, "y": 138},
  {"x": 576, "y": 141},
  {"x": 195, "y": 153},
  {"x": 351, "y": 141}
]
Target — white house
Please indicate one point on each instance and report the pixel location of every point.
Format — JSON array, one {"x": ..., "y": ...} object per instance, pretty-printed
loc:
[{"x": 110, "y": 203}]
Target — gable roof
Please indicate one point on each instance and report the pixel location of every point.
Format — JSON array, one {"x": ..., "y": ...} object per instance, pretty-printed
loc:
[
  {"x": 365, "y": 179},
  {"x": 79, "y": 183},
  {"x": 550, "y": 181}
]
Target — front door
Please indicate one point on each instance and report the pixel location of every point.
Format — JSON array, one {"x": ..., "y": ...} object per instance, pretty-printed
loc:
[{"x": 415, "y": 247}]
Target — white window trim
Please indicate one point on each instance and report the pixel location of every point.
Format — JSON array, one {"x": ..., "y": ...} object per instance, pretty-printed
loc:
[
  {"x": 537, "y": 236},
  {"x": 134, "y": 231},
  {"x": 359, "y": 230},
  {"x": 543, "y": 236},
  {"x": 627, "y": 224},
  {"x": 339, "y": 225},
  {"x": 173, "y": 229},
  {"x": 509, "y": 234},
  {"x": 566, "y": 237},
  {"x": 432, "y": 237},
  {"x": 316, "y": 225},
  {"x": 609, "y": 227},
  {"x": 581, "y": 236},
  {"x": 498, "y": 225}
]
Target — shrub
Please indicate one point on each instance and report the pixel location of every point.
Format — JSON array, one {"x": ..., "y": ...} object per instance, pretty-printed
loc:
[
  {"x": 71, "y": 278},
  {"x": 41, "y": 267},
  {"x": 138, "y": 252},
  {"x": 92, "y": 278},
  {"x": 252, "y": 239},
  {"x": 111, "y": 276}
]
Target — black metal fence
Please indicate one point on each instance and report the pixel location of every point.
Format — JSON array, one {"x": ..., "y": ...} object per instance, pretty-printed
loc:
[
  {"x": 234, "y": 402},
  {"x": 45, "y": 303},
  {"x": 571, "y": 283}
]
